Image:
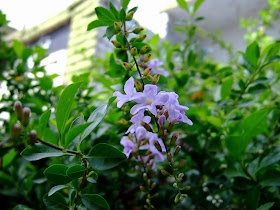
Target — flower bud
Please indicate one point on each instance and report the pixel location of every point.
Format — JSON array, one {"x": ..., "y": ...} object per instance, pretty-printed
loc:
[
  {"x": 170, "y": 125},
  {"x": 138, "y": 85},
  {"x": 156, "y": 79},
  {"x": 133, "y": 51},
  {"x": 161, "y": 120},
  {"x": 129, "y": 16},
  {"x": 142, "y": 188},
  {"x": 164, "y": 173},
  {"x": 144, "y": 49},
  {"x": 127, "y": 66},
  {"x": 141, "y": 38},
  {"x": 147, "y": 71},
  {"x": 18, "y": 109},
  {"x": 169, "y": 157},
  {"x": 176, "y": 200},
  {"x": 150, "y": 78},
  {"x": 117, "y": 26},
  {"x": 25, "y": 116},
  {"x": 147, "y": 57},
  {"x": 32, "y": 137},
  {"x": 138, "y": 169},
  {"x": 181, "y": 175},
  {"x": 116, "y": 44},
  {"x": 15, "y": 132},
  {"x": 157, "y": 145},
  {"x": 151, "y": 164},
  {"x": 146, "y": 126},
  {"x": 138, "y": 30},
  {"x": 175, "y": 185},
  {"x": 174, "y": 139},
  {"x": 153, "y": 185},
  {"x": 145, "y": 176},
  {"x": 177, "y": 150}
]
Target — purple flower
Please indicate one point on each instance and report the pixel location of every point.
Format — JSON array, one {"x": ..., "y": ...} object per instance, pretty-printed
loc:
[
  {"x": 156, "y": 63},
  {"x": 149, "y": 99},
  {"x": 128, "y": 144},
  {"x": 152, "y": 139},
  {"x": 129, "y": 90},
  {"x": 137, "y": 119}
]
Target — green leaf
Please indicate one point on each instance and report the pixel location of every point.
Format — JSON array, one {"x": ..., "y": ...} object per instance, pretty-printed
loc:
[
  {"x": 95, "y": 24},
  {"x": 74, "y": 132},
  {"x": 183, "y": 4},
  {"x": 96, "y": 117},
  {"x": 125, "y": 3},
  {"x": 270, "y": 159},
  {"x": 94, "y": 202},
  {"x": 235, "y": 170},
  {"x": 134, "y": 9},
  {"x": 139, "y": 45},
  {"x": 75, "y": 171},
  {"x": 18, "y": 47},
  {"x": 113, "y": 10},
  {"x": 40, "y": 151},
  {"x": 64, "y": 105},
  {"x": 57, "y": 174},
  {"x": 46, "y": 83},
  {"x": 9, "y": 157},
  {"x": 266, "y": 206},
  {"x": 226, "y": 87},
  {"x": 110, "y": 32},
  {"x": 43, "y": 122},
  {"x": 103, "y": 157},
  {"x": 214, "y": 121},
  {"x": 105, "y": 16},
  {"x": 122, "y": 15},
  {"x": 121, "y": 54},
  {"x": 252, "y": 53},
  {"x": 197, "y": 5},
  {"x": 120, "y": 38},
  {"x": 21, "y": 207},
  {"x": 237, "y": 145},
  {"x": 57, "y": 188},
  {"x": 55, "y": 201}
]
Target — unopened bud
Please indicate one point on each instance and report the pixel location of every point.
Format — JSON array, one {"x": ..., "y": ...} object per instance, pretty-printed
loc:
[
  {"x": 176, "y": 200},
  {"x": 18, "y": 109},
  {"x": 153, "y": 185},
  {"x": 164, "y": 173},
  {"x": 144, "y": 49},
  {"x": 157, "y": 145},
  {"x": 161, "y": 120},
  {"x": 146, "y": 126},
  {"x": 151, "y": 164},
  {"x": 170, "y": 125},
  {"x": 129, "y": 16},
  {"x": 169, "y": 157},
  {"x": 181, "y": 175},
  {"x": 25, "y": 116},
  {"x": 127, "y": 66},
  {"x": 147, "y": 57},
  {"x": 142, "y": 188},
  {"x": 141, "y": 38},
  {"x": 150, "y": 78},
  {"x": 32, "y": 137},
  {"x": 116, "y": 44},
  {"x": 138, "y": 169},
  {"x": 156, "y": 79},
  {"x": 174, "y": 139},
  {"x": 147, "y": 71},
  {"x": 177, "y": 150},
  {"x": 145, "y": 176},
  {"x": 138, "y": 85},
  {"x": 138, "y": 30},
  {"x": 133, "y": 51},
  {"x": 117, "y": 26},
  {"x": 175, "y": 185},
  {"x": 15, "y": 131}
]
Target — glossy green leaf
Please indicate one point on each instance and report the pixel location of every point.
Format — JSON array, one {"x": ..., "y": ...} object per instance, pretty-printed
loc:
[
  {"x": 226, "y": 87},
  {"x": 18, "y": 47},
  {"x": 122, "y": 15},
  {"x": 253, "y": 53},
  {"x": 113, "y": 10},
  {"x": 197, "y": 5},
  {"x": 266, "y": 206},
  {"x": 75, "y": 171},
  {"x": 121, "y": 54},
  {"x": 96, "y": 117},
  {"x": 183, "y": 4},
  {"x": 94, "y": 202},
  {"x": 103, "y": 157},
  {"x": 125, "y": 4},
  {"x": 43, "y": 122},
  {"x": 57, "y": 188},
  {"x": 105, "y": 16},
  {"x": 134, "y": 9},
  {"x": 237, "y": 145},
  {"x": 95, "y": 24},
  {"x": 55, "y": 201},
  {"x": 110, "y": 32},
  {"x": 40, "y": 151},
  {"x": 9, "y": 157},
  {"x": 21, "y": 207},
  {"x": 271, "y": 158},
  {"x": 57, "y": 174},
  {"x": 65, "y": 105},
  {"x": 74, "y": 132}
]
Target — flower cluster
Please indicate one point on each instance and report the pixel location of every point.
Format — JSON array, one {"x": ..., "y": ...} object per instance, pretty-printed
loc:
[
  {"x": 162, "y": 106},
  {"x": 156, "y": 69}
]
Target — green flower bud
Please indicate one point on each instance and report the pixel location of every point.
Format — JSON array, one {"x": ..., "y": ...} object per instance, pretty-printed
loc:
[
  {"x": 18, "y": 109},
  {"x": 25, "y": 116},
  {"x": 138, "y": 85},
  {"x": 174, "y": 139},
  {"x": 170, "y": 126},
  {"x": 32, "y": 137},
  {"x": 156, "y": 79},
  {"x": 177, "y": 150},
  {"x": 169, "y": 157},
  {"x": 141, "y": 38},
  {"x": 129, "y": 16},
  {"x": 142, "y": 188},
  {"x": 157, "y": 145},
  {"x": 153, "y": 185},
  {"x": 138, "y": 30},
  {"x": 150, "y": 78},
  {"x": 146, "y": 126},
  {"x": 145, "y": 176},
  {"x": 127, "y": 66},
  {"x": 117, "y": 26},
  {"x": 147, "y": 58},
  {"x": 144, "y": 49},
  {"x": 15, "y": 132},
  {"x": 116, "y": 44},
  {"x": 164, "y": 173},
  {"x": 181, "y": 175},
  {"x": 147, "y": 71},
  {"x": 176, "y": 200},
  {"x": 134, "y": 51}
]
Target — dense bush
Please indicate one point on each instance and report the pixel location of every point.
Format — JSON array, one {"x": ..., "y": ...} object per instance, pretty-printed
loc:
[{"x": 66, "y": 153}]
